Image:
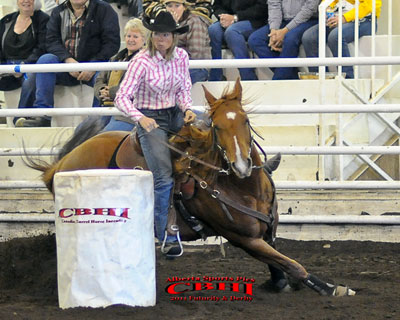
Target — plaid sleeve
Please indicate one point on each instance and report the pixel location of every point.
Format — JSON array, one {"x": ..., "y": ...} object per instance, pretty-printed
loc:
[{"x": 198, "y": 40}]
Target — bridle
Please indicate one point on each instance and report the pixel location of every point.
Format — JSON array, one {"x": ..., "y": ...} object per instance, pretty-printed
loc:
[
  {"x": 224, "y": 200},
  {"x": 223, "y": 151},
  {"x": 216, "y": 144}
]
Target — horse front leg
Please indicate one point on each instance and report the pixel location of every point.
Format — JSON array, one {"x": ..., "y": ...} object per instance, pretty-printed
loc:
[{"x": 262, "y": 251}]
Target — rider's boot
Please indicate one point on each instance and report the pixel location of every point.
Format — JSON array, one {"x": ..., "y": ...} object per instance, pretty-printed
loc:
[{"x": 172, "y": 244}]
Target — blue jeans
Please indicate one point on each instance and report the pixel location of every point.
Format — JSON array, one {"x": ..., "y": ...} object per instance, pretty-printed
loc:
[
  {"x": 310, "y": 41},
  {"x": 259, "y": 40},
  {"x": 197, "y": 75},
  {"x": 235, "y": 37},
  {"x": 158, "y": 160},
  {"x": 118, "y": 125},
  {"x": 38, "y": 88}
]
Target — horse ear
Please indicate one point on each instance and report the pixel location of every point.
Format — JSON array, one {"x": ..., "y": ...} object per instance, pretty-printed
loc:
[
  {"x": 210, "y": 98},
  {"x": 238, "y": 89}
]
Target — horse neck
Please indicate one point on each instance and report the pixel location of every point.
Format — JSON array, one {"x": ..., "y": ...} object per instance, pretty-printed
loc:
[{"x": 209, "y": 153}]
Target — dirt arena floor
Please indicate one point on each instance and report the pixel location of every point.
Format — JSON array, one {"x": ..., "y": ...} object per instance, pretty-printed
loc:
[{"x": 28, "y": 284}]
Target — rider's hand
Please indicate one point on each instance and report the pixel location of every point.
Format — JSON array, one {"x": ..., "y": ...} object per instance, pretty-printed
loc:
[
  {"x": 147, "y": 123},
  {"x": 189, "y": 116}
]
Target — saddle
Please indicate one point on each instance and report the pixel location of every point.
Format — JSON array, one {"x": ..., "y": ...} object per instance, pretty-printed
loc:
[{"x": 126, "y": 156}]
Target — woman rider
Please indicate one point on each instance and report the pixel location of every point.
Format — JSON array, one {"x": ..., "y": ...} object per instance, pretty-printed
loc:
[{"x": 155, "y": 93}]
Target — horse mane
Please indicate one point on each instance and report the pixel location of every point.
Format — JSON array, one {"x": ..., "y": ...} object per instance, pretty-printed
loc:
[{"x": 196, "y": 140}]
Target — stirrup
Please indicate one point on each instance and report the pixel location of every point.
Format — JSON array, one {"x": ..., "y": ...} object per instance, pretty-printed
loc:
[{"x": 174, "y": 228}]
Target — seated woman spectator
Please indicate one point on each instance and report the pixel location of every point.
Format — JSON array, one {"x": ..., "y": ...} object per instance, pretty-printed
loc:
[
  {"x": 236, "y": 21},
  {"x": 22, "y": 39},
  {"x": 196, "y": 41},
  {"x": 200, "y": 7},
  {"x": 310, "y": 37},
  {"x": 107, "y": 82}
]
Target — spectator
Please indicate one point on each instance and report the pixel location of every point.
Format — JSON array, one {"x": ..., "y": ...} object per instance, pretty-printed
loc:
[
  {"x": 49, "y": 5},
  {"x": 196, "y": 41},
  {"x": 310, "y": 37},
  {"x": 200, "y": 7},
  {"x": 107, "y": 83},
  {"x": 22, "y": 40},
  {"x": 236, "y": 21},
  {"x": 281, "y": 38},
  {"x": 78, "y": 31},
  {"x": 155, "y": 93}
]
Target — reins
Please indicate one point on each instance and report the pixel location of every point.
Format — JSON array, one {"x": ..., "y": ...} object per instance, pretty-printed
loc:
[
  {"x": 186, "y": 154},
  {"x": 223, "y": 200}
]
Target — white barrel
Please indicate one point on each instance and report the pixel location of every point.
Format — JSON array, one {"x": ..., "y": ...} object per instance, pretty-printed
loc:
[{"x": 105, "y": 238}]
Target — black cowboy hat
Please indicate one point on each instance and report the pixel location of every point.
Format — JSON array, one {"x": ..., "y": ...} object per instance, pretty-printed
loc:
[{"x": 164, "y": 22}]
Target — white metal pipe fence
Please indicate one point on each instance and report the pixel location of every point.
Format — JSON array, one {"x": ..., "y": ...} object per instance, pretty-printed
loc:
[
  {"x": 223, "y": 63},
  {"x": 280, "y": 185},
  {"x": 251, "y": 109},
  {"x": 302, "y": 150},
  {"x": 283, "y": 219}
]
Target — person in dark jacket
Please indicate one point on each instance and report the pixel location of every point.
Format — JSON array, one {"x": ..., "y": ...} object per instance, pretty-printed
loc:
[
  {"x": 237, "y": 19},
  {"x": 22, "y": 40},
  {"x": 78, "y": 31}
]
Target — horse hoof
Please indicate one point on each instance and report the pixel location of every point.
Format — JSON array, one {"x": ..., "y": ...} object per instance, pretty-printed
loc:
[
  {"x": 341, "y": 291},
  {"x": 286, "y": 289},
  {"x": 282, "y": 286}
]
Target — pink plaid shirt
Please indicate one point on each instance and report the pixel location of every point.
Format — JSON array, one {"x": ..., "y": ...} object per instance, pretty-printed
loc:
[{"x": 155, "y": 83}]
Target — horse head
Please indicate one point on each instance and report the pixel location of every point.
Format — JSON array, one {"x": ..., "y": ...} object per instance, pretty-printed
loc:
[{"x": 231, "y": 129}]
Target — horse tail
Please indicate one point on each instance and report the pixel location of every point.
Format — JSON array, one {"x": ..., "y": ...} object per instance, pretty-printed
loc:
[
  {"x": 87, "y": 129},
  {"x": 48, "y": 169}
]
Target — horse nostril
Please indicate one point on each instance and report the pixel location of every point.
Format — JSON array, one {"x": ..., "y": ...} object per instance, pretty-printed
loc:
[{"x": 250, "y": 162}]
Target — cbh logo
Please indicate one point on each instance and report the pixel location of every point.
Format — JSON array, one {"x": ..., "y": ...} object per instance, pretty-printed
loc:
[{"x": 65, "y": 213}]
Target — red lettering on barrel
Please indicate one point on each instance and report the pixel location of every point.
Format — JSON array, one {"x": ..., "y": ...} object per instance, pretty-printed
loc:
[
  {"x": 62, "y": 214},
  {"x": 113, "y": 212},
  {"x": 99, "y": 211},
  {"x": 83, "y": 211},
  {"x": 124, "y": 213}
]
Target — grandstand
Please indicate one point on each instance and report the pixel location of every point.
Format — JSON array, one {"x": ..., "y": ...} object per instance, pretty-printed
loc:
[{"x": 303, "y": 175}]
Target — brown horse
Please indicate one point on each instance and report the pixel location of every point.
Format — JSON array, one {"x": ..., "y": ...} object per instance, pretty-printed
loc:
[{"x": 233, "y": 194}]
